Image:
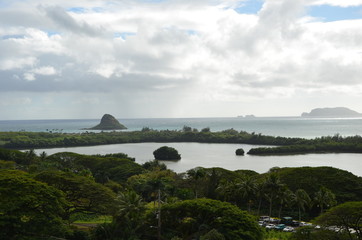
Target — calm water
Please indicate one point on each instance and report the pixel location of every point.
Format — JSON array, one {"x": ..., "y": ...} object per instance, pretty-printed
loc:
[
  {"x": 215, "y": 155},
  {"x": 221, "y": 155},
  {"x": 278, "y": 126}
]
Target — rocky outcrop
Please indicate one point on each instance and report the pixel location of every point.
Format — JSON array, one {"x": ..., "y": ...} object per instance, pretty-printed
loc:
[{"x": 108, "y": 122}]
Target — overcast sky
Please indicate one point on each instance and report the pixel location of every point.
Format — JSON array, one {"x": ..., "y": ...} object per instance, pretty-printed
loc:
[{"x": 63, "y": 59}]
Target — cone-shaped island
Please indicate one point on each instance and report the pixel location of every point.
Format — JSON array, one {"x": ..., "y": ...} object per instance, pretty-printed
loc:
[{"x": 108, "y": 122}]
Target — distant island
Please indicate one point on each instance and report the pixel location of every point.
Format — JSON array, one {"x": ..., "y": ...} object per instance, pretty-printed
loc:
[
  {"x": 337, "y": 112},
  {"x": 108, "y": 122},
  {"x": 247, "y": 116}
]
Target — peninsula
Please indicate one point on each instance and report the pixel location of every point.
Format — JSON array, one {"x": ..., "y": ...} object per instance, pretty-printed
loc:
[
  {"x": 337, "y": 112},
  {"x": 108, "y": 122}
]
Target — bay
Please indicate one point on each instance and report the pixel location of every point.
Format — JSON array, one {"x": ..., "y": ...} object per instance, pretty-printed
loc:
[{"x": 221, "y": 155}]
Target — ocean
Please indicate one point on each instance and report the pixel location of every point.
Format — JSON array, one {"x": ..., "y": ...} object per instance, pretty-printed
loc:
[{"x": 274, "y": 126}]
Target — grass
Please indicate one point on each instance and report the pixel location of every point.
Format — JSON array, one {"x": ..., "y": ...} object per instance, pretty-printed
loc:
[
  {"x": 94, "y": 219},
  {"x": 275, "y": 235}
]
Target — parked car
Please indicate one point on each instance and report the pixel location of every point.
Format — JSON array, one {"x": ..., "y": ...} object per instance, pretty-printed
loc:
[
  {"x": 295, "y": 223},
  {"x": 274, "y": 220},
  {"x": 279, "y": 227},
  {"x": 288, "y": 229},
  {"x": 264, "y": 218},
  {"x": 262, "y": 223},
  {"x": 270, "y": 226}
]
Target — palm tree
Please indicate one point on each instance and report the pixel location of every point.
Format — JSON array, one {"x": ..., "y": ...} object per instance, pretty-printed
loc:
[
  {"x": 195, "y": 175},
  {"x": 272, "y": 186},
  {"x": 284, "y": 198},
  {"x": 260, "y": 193},
  {"x": 324, "y": 198},
  {"x": 247, "y": 190},
  {"x": 129, "y": 217},
  {"x": 301, "y": 199},
  {"x": 227, "y": 190},
  {"x": 43, "y": 155}
]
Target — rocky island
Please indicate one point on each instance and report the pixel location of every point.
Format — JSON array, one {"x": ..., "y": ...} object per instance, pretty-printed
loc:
[
  {"x": 337, "y": 112},
  {"x": 108, "y": 122}
]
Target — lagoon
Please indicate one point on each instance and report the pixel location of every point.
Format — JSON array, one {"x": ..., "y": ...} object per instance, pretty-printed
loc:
[{"x": 221, "y": 155}]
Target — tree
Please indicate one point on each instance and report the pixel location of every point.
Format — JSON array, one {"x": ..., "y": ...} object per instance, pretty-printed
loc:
[
  {"x": 166, "y": 153},
  {"x": 301, "y": 199},
  {"x": 29, "y": 209},
  {"x": 213, "y": 235},
  {"x": 148, "y": 184},
  {"x": 272, "y": 188},
  {"x": 284, "y": 197},
  {"x": 239, "y": 152},
  {"x": 154, "y": 165},
  {"x": 83, "y": 194},
  {"x": 187, "y": 129},
  {"x": 205, "y": 130},
  {"x": 324, "y": 198},
  {"x": 347, "y": 215},
  {"x": 247, "y": 189},
  {"x": 195, "y": 175},
  {"x": 194, "y": 218},
  {"x": 129, "y": 215}
]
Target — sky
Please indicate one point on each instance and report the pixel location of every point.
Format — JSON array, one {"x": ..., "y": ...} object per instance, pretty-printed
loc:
[{"x": 62, "y": 59}]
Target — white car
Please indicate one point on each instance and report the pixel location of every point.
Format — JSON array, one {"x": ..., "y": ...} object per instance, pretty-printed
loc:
[
  {"x": 288, "y": 229},
  {"x": 270, "y": 226}
]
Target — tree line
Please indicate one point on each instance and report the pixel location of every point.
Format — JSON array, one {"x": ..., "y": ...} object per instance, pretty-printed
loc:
[{"x": 282, "y": 145}]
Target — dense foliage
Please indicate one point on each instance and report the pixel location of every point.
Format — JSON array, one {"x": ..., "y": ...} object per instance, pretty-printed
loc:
[
  {"x": 29, "y": 209},
  {"x": 57, "y": 190},
  {"x": 46, "y": 139},
  {"x": 166, "y": 153},
  {"x": 194, "y": 218},
  {"x": 347, "y": 216},
  {"x": 239, "y": 152}
]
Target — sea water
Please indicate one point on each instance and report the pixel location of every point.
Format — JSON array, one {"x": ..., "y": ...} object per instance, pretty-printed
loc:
[{"x": 276, "y": 126}]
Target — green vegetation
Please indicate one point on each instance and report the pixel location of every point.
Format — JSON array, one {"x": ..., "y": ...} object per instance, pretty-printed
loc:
[
  {"x": 347, "y": 216},
  {"x": 185, "y": 218},
  {"x": 63, "y": 196},
  {"x": 29, "y": 209},
  {"x": 284, "y": 145},
  {"x": 166, "y": 153},
  {"x": 22, "y": 140},
  {"x": 274, "y": 235},
  {"x": 239, "y": 152}
]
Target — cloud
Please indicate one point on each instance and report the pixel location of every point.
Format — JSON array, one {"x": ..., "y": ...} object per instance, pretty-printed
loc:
[
  {"x": 16, "y": 63},
  {"x": 338, "y": 3},
  {"x": 29, "y": 76},
  {"x": 181, "y": 54},
  {"x": 47, "y": 70},
  {"x": 66, "y": 22}
]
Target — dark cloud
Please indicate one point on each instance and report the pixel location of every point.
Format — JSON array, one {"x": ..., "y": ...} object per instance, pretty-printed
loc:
[{"x": 62, "y": 19}]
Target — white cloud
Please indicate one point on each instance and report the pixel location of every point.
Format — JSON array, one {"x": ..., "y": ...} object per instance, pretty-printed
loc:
[
  {"x": 183, "y": 54},
  {"x": 29, "y": 76},
  {"x": 16, "y": 63},
  {"x": 47, "y": 71},
  {"x": 339, "y": 3}
]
